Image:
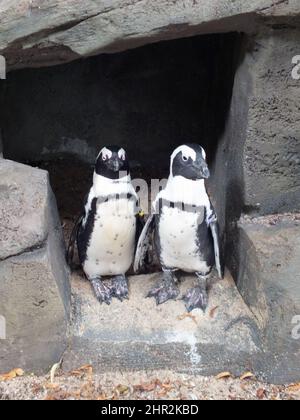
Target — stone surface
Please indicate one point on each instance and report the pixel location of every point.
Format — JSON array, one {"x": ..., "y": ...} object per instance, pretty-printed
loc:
[
  {"x": 256, "y": 168},
  {"x": 136, "y": 334},
  {"x": 266, "y": 264},
  {"x": 272, "y": 147},
  {"x": 23, "y": 208},
  {"x": 44, "y": 32},
  {"x": 34, "y": 283}
]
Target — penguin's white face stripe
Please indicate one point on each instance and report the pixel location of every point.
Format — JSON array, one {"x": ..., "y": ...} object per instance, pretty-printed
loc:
[
  {"x": 186, "y": 151},
  {"x": 106, "y": 153},
  {"x": 122, "y": 154}
]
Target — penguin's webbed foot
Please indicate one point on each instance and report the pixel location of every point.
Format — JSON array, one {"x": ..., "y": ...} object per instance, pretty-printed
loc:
[
  {"x": 120, "y": 287},
  {"x": 165, "y": 290},
  {"x": 102, "y": 291},
  {"x": 196, "y": 298}
]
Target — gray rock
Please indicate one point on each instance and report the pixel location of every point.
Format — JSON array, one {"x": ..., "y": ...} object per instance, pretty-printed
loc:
[
  {"x": 34, "y": 283},
  {"x": 271, "y": 150},
  {"x": 24, "y": 214},
  {"x": 266, "y": 265},
  {"x": 257, "y": 162},
  {"x": 39, "y": 33},
  {"x": 137, "y": 334}
]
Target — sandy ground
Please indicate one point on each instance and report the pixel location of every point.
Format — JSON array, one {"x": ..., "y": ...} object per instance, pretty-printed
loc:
[{"x": 82, "y": 384}]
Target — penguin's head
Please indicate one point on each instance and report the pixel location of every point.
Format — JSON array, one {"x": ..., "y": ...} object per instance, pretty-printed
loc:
[
  {"x": 111, "y": 162},
  {"x": 189, "y": 161}
]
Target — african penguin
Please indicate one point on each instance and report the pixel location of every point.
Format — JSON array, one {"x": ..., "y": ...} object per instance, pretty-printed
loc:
[
  {"x": 185, "y": 229},
  {"x": 106, "y": 231}
]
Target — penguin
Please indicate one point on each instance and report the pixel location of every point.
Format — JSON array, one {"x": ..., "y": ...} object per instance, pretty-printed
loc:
[
  {"x": 106, "y": 232},
  {"x": 185, "y": 229}
]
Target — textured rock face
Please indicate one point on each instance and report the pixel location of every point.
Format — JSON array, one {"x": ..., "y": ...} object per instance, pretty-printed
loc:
[
  {"x": 272, "y": 149},
  {"x": 267, "y": 266},
  {"x": 259, "y": 152},
  {"x": 34, "y": 285},
  {"x": 44, "y": 32},
  {"x": 137, "y": 334}
]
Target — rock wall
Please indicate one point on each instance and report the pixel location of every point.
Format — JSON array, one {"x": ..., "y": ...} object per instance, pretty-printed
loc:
[
  {"x": 34, "y": 283},
  {"x": 45, "y": 32},
  {"x": 260, "y": 150},
  {"x": 267, "y": 273}
]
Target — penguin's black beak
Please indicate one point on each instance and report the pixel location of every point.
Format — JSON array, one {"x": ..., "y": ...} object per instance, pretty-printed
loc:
[
  {"x": 201, "y": 169},
  {"x": 115, "y": 164}
]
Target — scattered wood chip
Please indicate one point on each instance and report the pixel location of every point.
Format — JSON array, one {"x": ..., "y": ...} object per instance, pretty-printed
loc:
[
  {"x": 247, "y": 375},
  {"x": 145, "y": 387},
  {"x": 187, "y": 315},
  {"x": 161, "y": 393},
  {"x": 51, "y": 386},
  {"x": 261, "y": 393},
  {"x": 167, "y": 386},
  {"x": 12, "y": 374},
  {"x": 294, "y": 387},
  {"x": 122, "y": 389},
  {"x": 86, "y": 369},
  {"x": 224, "y": 375},
  {"x": 102, "y": 397},
  {"x": 213, "y": 311},
  {"x": 37, "y": 388},
  {"x": 87, "y": 390},
  {"x": 59, "y": 395}
]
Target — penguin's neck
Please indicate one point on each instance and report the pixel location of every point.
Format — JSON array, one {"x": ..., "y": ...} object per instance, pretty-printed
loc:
[
  {"x": 183, "y": 190},
  {"x": 105, "y": 186}
]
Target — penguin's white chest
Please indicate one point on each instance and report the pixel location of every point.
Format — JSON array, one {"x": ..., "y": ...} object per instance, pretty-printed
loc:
[
  {"x": 178, "y": 240},
  {"x": 112, "y": 242}
]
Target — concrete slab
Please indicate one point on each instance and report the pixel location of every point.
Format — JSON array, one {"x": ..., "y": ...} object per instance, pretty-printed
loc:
[{"x": 137, "y": 334}]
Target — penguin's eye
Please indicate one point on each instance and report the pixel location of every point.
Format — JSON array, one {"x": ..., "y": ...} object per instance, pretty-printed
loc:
[
  {"x": 185, "y": 158},
  {"x": 104, "y": 157}
]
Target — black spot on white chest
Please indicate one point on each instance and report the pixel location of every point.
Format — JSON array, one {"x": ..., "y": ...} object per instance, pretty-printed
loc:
[{"x": 179, "y": 239}]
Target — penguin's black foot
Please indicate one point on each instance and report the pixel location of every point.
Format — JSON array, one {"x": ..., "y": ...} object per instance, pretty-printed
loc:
[
  {"x": 165, "y": 290},
  {"x": 102, "y": 292},
  {"x": 120, "y": 287},
  {"x": 196, "y": 298}
]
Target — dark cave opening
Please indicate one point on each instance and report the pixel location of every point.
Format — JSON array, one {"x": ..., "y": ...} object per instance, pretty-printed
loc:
[{"x": 148, "y": 100}]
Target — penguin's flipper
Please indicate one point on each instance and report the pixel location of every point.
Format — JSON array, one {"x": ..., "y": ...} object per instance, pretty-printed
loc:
[
  {"x": 140, "y": 224},
  {"x": 214, "y": 227},
  {"x": 144, "y": 244},
  {"x": 72, "y": 240}
]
